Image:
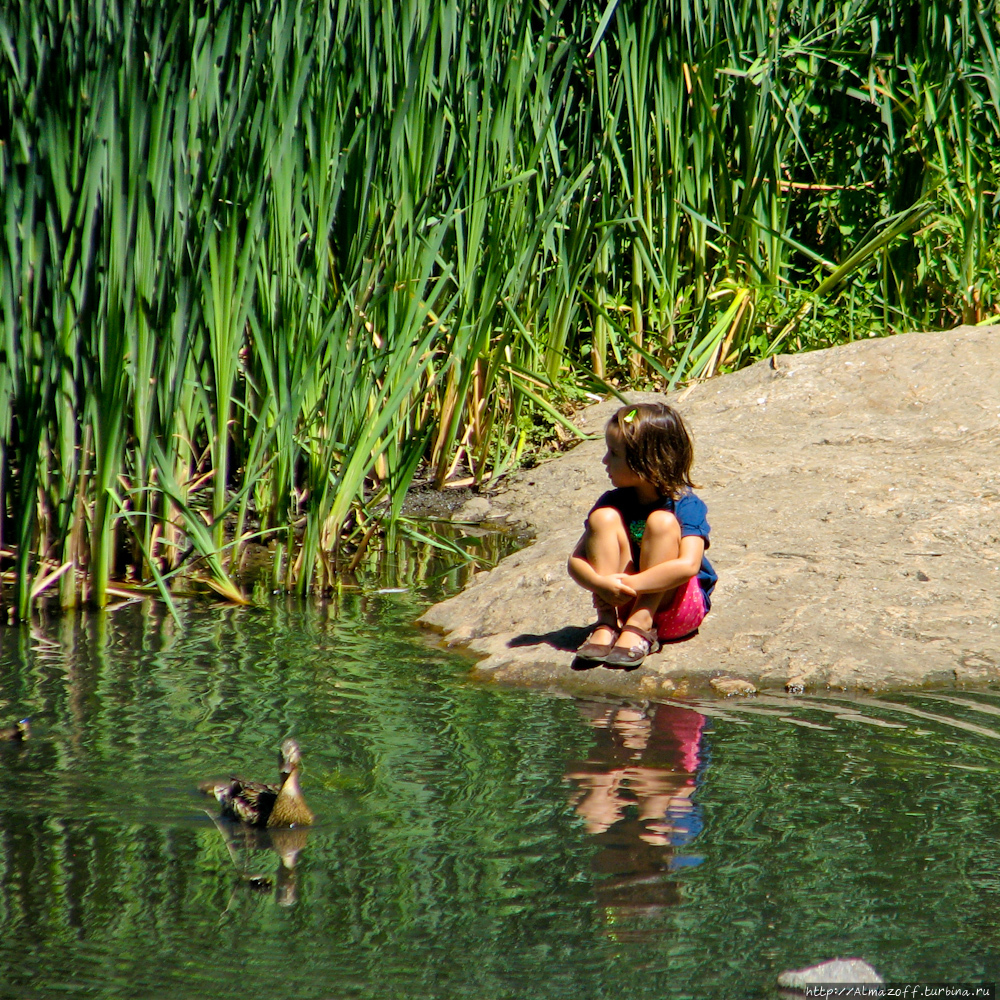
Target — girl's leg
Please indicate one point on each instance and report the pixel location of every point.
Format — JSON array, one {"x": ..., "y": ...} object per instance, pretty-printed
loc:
[
  {"x": 607, "y": 549},
  {"x": 661, "y": 541}
]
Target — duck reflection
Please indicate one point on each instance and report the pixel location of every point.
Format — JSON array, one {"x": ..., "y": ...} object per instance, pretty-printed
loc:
[
  {"x": 287, "y": 844},
  {"x": 634, "y": 792},
  {"x": 244, "y": 843}
]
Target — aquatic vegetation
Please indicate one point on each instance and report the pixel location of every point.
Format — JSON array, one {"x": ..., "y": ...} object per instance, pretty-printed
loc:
[{"x": 262, "y": 263}]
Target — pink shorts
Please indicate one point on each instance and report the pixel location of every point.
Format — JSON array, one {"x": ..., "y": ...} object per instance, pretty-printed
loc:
[{"x": 681, "y": 616}]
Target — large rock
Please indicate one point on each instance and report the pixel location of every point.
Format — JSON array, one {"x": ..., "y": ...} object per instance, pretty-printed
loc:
[{"x": 854, "y": 498}]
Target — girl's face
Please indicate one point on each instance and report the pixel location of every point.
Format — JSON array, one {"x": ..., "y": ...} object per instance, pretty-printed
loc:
[{"x": 619, "y": 472}]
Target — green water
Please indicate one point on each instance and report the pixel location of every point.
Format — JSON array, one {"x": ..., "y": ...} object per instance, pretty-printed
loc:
[{"x": 471, "y": 842}]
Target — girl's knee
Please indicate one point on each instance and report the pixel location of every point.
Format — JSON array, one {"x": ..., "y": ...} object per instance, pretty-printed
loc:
[
  {"x": 605, "y": 519},
  {"x": 661, "y": 524},
  {"x": 661, "y": 540}
]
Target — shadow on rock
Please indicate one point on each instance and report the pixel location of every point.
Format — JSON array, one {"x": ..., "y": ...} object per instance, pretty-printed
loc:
[{"x": 568, "y": 638}]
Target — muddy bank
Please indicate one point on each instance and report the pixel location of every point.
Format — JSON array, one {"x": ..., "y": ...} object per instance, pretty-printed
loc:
[{"x": 854, "y": 498}]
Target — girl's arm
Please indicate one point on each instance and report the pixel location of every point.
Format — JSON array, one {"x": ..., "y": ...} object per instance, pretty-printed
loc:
[
  {"x": 670, "y": 574},
  {"x": 615, "y": 589}
]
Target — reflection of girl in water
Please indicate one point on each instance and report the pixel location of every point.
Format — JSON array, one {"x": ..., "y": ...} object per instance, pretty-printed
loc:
[{"x": 634, "y": 793}]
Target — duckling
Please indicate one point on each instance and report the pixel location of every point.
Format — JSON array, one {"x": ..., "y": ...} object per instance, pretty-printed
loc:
[
  {"x": 258, "y": 804},
  {"x": 19, "y": 731}
]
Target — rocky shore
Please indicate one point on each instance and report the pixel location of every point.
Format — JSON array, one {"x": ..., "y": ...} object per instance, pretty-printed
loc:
[{"x": 854, "y": 498}]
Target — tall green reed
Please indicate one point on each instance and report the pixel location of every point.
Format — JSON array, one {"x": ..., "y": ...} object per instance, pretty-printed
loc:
[{"x": 265, "y": 264}]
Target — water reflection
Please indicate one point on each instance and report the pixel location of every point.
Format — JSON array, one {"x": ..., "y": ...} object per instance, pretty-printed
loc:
[
  {"x": 245, "y": 845},
  {"x": 448, "y": 861},
  {"x": 635, "y": 794}
]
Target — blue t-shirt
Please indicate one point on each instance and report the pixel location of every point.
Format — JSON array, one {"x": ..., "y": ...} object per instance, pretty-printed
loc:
[{"x": 690, "y": 511}]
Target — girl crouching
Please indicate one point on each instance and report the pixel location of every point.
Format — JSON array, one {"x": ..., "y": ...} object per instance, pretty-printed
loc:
[{"x": 642, "y": 554}]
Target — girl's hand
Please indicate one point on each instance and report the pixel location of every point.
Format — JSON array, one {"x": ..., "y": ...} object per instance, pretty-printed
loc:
[{"x": 615, "y": 590}]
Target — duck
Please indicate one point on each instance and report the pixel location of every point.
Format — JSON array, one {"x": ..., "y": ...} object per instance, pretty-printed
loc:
[
  {"x": 19, "y": 731},
  {"x": 264, "y": 805}
]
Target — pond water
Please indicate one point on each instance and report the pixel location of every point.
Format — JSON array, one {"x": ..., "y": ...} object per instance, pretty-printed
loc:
[{"x": 471, "y": 842}]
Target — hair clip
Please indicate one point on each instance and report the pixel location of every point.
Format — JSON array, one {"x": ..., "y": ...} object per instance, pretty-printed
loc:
[{"x": 630, "y": 416}]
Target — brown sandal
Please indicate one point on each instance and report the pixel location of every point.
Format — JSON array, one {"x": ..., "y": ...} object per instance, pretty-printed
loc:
[
  {"x": 634, "y": 655},
  {"x": 597, "y": 651}
]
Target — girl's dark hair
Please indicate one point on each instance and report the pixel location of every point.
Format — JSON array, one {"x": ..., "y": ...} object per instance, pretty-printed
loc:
[{"x": 657, "y": 445}]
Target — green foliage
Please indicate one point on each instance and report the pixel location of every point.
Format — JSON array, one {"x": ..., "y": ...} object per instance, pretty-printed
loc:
[{"x": 262, "y": 261}]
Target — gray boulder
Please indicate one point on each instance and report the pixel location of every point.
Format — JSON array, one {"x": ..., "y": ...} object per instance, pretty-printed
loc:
[{"x": 854, "y": 498}]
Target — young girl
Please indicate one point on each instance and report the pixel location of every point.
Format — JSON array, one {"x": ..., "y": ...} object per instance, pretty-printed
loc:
[{"x": 643, "y": 552}]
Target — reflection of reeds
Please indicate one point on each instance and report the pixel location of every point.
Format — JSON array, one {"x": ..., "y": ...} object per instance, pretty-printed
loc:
[{"x": 261, "y": 261}]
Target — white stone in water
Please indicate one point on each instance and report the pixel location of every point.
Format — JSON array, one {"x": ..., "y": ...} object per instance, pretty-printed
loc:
[{"x": 837, "y": 970}]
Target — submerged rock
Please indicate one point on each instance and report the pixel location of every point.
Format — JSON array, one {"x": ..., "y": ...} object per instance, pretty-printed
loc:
[
  {"x": 854, "y": 499},
  {"x": 473, "y": 511},
  {"x": 837, "y": 970},
  {"x": 733, "y": 687}
]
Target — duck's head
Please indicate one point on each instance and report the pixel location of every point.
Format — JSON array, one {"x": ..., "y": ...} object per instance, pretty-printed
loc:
[
  {"x": 21, "y": 730},
  {"x": 290, "y": 759}
]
